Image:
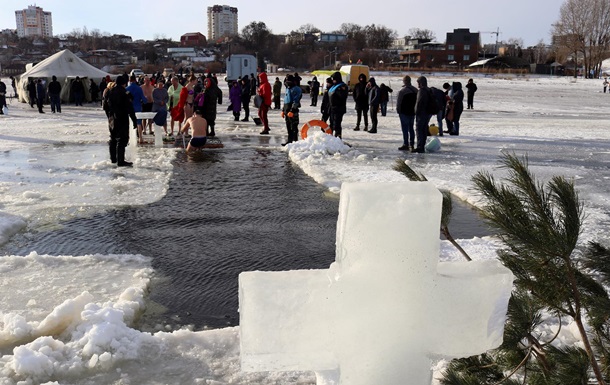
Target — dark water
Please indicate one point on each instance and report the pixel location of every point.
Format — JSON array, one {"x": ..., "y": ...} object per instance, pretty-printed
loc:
[{"x": 225, "y": 212}]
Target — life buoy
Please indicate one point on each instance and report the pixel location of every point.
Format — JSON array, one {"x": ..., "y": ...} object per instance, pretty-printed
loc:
[{"x": 315, "y": 123}]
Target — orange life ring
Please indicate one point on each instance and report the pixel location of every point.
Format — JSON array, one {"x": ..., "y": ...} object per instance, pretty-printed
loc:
[{"x": 315, "y": 123}]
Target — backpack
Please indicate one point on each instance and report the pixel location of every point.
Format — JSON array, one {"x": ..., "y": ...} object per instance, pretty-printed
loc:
[{"x": 432, "y": 107}]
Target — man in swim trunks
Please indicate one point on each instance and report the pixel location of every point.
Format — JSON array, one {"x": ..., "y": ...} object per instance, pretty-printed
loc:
[{"x": 200, "y": 128}]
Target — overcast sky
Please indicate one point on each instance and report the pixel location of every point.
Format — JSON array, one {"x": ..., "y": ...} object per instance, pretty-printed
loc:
[{"x": 530, "y": 20}]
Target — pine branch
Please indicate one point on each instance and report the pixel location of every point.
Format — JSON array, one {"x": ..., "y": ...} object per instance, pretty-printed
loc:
[
  {"x": 446, "y": 209},
  {"x": 407, "y": 171}
]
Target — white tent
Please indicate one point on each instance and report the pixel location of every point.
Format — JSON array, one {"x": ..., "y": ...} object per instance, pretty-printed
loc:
[{"x": 66, "y": 66}]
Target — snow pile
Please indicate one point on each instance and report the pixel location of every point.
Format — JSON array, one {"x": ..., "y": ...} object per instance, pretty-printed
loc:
[
  {"x": 9, "y": 226},
  {"x": 79, "y": 333}
]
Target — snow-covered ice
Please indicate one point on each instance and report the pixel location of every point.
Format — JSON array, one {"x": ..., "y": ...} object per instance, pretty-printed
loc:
[{"x": 67, "y": 319}]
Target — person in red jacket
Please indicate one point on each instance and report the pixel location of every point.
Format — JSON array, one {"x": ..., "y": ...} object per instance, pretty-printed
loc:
[{"x": 264, "y": 90}]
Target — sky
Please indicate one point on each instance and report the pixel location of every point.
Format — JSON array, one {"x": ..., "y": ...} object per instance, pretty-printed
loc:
[{"x": 146, "y": 19}]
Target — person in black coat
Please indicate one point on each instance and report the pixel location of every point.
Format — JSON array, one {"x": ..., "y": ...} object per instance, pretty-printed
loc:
[
  {"x": 54, "y": 95},
  {"x": 472, "y": 88},
  {"x": 384, "y": 95},
  {"x": 94, "y": 90},
  {"x": 211, "y": 96},
  {"x": 41, "y": 95},
  {"x": 362, "y": 102},
  {"x": 31, "y": 88},
  {"x": 119, "y": 109},
  {"x": 337, "y": 96},
  {"x": 314, "y": 90}
]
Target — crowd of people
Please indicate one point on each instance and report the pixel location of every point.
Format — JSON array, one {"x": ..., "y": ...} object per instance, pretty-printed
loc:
[{"x": 191, "y": 102}]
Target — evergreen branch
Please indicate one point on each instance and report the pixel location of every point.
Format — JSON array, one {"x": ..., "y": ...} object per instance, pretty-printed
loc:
[
  {"x": 517, "y": 368},
  {"x": 407, "y": 171}
]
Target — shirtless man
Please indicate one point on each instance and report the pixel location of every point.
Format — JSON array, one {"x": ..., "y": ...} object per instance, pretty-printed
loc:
[
  {"x": 200, "y": 129},
  {"x": 147, "y": 89}
]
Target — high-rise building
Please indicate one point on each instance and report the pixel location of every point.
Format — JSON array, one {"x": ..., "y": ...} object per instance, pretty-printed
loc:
[
  {"x": 222, "y": 21},
  {"x": 33, "y": 21}
]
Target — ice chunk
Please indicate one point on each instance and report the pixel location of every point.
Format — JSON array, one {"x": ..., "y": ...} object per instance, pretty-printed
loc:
[{"x": 384, "y": 307}]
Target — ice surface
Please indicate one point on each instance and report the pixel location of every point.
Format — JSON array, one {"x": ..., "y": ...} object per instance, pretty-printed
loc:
[
  {"x": 384, "y": 306},
  {"x": 54, "y": 167}
]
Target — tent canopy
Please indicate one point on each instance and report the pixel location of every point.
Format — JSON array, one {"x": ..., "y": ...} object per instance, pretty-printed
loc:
[{"x": 66, "y": 66}]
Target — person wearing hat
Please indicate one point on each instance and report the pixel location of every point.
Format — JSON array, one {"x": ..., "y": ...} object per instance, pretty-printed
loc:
[
  {"x": 337, "y": 96},
  {"x": 292, "y": 103},
  {"x": 119, "y": 110}
]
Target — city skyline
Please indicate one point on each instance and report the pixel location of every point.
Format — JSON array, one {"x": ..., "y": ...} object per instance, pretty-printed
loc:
[{"x": 149, "y": 19}]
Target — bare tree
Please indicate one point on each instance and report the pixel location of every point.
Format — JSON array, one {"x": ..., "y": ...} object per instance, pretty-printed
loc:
[
  {"x": 379, "y": 37},
  {"x": 584, "y": 28},
  {"x": 355, "y": 33},
  {"x": 308, "y": 28},
  {"x": 419, "y": 33}
]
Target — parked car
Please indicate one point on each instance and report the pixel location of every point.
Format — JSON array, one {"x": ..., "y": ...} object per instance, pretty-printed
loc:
[{"x": 137, "y": 72}]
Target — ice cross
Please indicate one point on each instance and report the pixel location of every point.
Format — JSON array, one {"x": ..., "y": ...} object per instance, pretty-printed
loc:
[{"x": 384, "y": 307}]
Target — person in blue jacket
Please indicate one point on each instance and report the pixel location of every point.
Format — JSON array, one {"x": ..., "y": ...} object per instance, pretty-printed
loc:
[
  {"x": 292, "y": 103},
  {"x": 138, "y": 99}
]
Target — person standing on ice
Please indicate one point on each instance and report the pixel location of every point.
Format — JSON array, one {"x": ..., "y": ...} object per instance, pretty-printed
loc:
[
  {"x": 337, "y": 96},
  {"x": 314, "y": 91},
  {"x": 41, "y": 94},
  {"x": 277, "y": 93},
  {"x": 472, "y": 88},
  {"x": 292, "y": 103},
  {"x": 372, "y": 92},
  {"x": 54, "y": 89},
  {"x": 31, "y": 88},
  {"x": 362, "y": 102},
  {"x": 245, "y": 96},
  {"x": 422, "y": 113},
  {"x": 456, "y": 99},
  {"x": 405, "y": 106},
  {"x": 384, "y": 95},
  {"x": 235, "y": 99},
  {"x": 119, "y": 110},
  {"x": 78, "y": 91},
  {"x": 264, "y": 90}
]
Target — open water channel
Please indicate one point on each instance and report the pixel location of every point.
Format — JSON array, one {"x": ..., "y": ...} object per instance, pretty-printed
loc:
[{"x": 226, "y": 211}]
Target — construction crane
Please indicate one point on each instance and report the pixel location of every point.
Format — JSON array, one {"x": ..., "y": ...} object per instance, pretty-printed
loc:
[{"x": 497, "y": 33}]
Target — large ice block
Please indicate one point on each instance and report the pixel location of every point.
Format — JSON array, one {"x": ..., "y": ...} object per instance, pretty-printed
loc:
[{"x": 384, "y": 307}]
